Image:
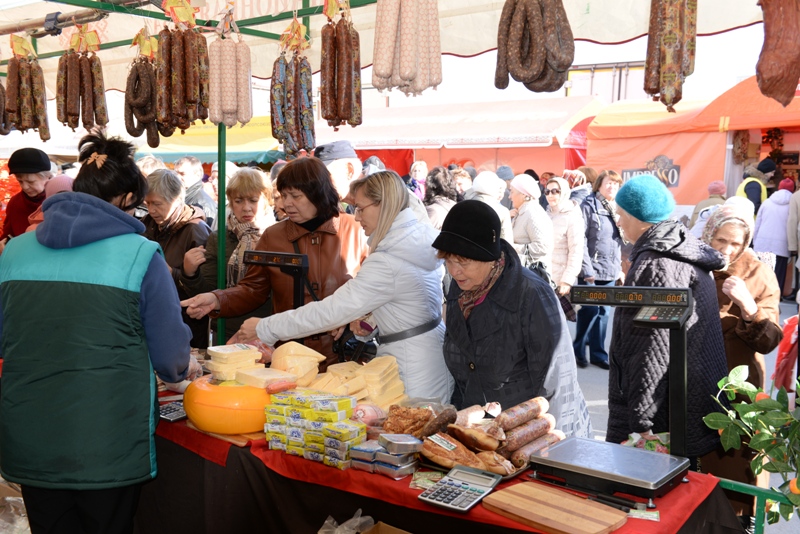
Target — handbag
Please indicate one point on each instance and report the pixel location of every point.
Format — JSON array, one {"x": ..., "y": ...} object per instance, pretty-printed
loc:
[
  {"x": 348, "y": 348},
  {"x": 537, "y": 267}
]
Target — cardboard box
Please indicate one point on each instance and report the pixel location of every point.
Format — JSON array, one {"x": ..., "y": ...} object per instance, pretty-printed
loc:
[{"x": 382, "y": 528}]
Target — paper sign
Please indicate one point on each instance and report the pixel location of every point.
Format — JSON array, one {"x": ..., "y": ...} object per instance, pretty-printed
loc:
[{"x": 21, "y": 46}]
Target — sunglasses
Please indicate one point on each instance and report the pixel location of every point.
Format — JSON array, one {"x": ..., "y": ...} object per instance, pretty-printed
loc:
[{"x": 552, "y": 191}]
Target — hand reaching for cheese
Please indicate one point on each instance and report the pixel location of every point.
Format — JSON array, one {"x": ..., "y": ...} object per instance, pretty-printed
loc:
[
  {"x": 201, "y": 305},
  {"x": 247, "y": 332}
]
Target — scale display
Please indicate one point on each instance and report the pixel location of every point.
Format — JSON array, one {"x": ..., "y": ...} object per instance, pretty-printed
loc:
[
  {"x": 275, "y": 259},
  {"x": 630, "y": 296}
]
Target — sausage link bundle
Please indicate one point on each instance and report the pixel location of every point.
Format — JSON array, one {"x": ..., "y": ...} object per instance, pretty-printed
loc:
[
  {"x": 25, "y": 97},
  {"x": 5, "y": 127},
  {"x": 340, "y": 74},
  {"x": 407, "y": 46},
  {"x": 670, "y": 49},
  {"x": 164, "y": 77},
  {"x": 778, "y": 67},
  {"x": 23, "y": 103},
  {"x": 291, "y": 98},
  {"x": 98, "y": 91},
  {"x": 39, "y": 101},
  {"x": 80, "y": 91},
  {"x": 535, "y": 45},
  {"x": 230, "y": 94},
  {"x": 87, "y": 93},
  {"x": 12, "y": 90}
]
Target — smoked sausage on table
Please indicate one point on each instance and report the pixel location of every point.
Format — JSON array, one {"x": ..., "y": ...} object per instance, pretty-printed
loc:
[
  {"x": 522, "y": 413},
  {"x": 524, "y": 434},
  {"x": 521, "y": 456}
]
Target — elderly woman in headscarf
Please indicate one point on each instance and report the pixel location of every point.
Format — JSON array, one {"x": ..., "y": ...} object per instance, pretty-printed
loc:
[
  {"x": 489, "y": 189},
  {"x": 749, "y": 308},
  {"x": 506, "y": 339},
  {"x": 568, "y": 236},
  {"x": 533, "y": 229}
]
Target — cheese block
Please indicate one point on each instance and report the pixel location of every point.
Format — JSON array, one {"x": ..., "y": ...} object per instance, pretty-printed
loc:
[
  {"x": 263, "y": 376},
  {"x": 322, "y": 381},
  {"x": 230, "y": 374},
  {"x": 395, "y": 389},
  {"x": 351, "y": 386},
  {"x": 346, "y": 370},
  {"x": 397, "y": 400},
  {"x": 214, "y": 366},
  {"x": 307, "y": 378},
  {"x": 379, "y": 364},
  {"x": 379, "y": 372},
  {"x": 301, "y": 368},
  {"x": 238, "y": 352},
  {"x": 293, "y": 348}
]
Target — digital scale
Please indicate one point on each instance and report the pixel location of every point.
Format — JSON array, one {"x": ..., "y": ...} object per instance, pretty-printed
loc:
[
  {"x": 461, "y": 488},
  {"x": 659, "y": 307}
]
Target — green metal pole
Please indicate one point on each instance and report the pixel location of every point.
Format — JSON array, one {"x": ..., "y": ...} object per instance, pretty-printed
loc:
[
  {"x": 300, "y": 13},
  {"x": 222, "y": 264},
  {"x": 59, "y": 53}
]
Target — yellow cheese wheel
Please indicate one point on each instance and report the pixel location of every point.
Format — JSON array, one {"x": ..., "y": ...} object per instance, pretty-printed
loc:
[{"x": 225, "y": 408}]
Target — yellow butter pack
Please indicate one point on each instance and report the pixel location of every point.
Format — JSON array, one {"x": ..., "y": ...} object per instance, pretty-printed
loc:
[
  {"x": 316, "y": 447},
  {"x": 336, "y": 453},
  {"x": 295, "y": 450},
  {"x": 335, "y": 462},
  {"x": 312, "y": 436},
  {"x": 283, "y": 398},
  {"x": 329, "y": 417},
  {"x": 281, "y": 438},
  {"x": 302, "y": 398},
  {"x": 275, "y": 429},
  {"x": 334, "y": 404},
  {"x": 344, "y": 431},
  {"x": 275, "y": 409},
  {"x": 294, "y": 412},
  {"x": 276, "y": 419},
  {"x": 277, "y": 446},
  {"x": 345, "y": 446},
  {"x": 313, "y": 455}
]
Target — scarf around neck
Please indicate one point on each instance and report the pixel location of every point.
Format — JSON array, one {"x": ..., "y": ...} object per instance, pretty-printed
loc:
[
  {"x": 471, "y": 298},
  {"x": 247, "y": 235}
]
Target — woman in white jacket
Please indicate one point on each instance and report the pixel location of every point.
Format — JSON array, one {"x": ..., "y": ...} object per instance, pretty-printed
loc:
[
  {"x": 533, "y": 229},
  {"x": 568, "y": 235},
  {"x": 399, "y": 282}
]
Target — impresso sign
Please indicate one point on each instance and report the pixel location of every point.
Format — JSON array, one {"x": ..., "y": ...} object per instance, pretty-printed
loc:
[{"x": 661, "y": 167}]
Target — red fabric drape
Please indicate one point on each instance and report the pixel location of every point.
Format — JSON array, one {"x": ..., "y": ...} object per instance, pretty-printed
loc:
[{"x": 397, "y": 159}]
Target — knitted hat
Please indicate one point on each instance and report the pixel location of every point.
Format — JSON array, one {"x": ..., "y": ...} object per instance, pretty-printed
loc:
[
  {"x": 526, "y": 185},
  {"x": 471, "y": 171},
  {"x": 646, "y": 198},
  {"x": 504, "y": 172},
  {"x": 766, "y": 165},
  {"x": 787, "y": 184},
  {"x": 57, "y": 184},
  {"x": 28, "y": 161},
  {"x": 717, "y": 187},
  {"x": 472, "y": 230},
  {"x": 335, "y": 150}
]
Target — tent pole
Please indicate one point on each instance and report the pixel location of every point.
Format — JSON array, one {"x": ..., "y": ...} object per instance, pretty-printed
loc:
[
  {"x": 305, "y": 12},
  {"x": 222, "y": 265}
]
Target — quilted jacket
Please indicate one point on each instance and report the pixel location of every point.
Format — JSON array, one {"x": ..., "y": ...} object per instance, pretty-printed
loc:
[{"x": 667, "y": 256}]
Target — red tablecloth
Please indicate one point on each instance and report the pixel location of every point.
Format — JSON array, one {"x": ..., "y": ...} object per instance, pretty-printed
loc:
[
  {"x": 212, "y": 449},
  {"x": 675, "y": 507}
]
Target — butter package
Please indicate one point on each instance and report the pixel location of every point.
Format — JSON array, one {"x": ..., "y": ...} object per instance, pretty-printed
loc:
[
  {"x": 277, "y": 437},
  {"x": 366, "y": 451},
  {"x": 294, "y": 412},
  {"x": 275, "y": 419},
  {"x": 296, "y": 422},
  {"x": 317, "y": 426},
  {"x": 316, "y": 447},
  {"x": 336, "y": 453},
  {"x": 295, "y": 450},
  {"x": 362, "y": 465},
  {"x": 395, "y": 459},
  {"x": 313, "y": 455},
  {"x": 345, "y": 445},
  {"x": 304, "y": 398},
  {"x": 344, "y": 431},
  {"x": 334, "y": 404},
  {"x": 400, "y": 443},
  {"x": 275, "y": 429},
  {"x": 295, "y": 433},
  {"x": 277, "y": 446},
  {"x": 275, "y": 409},
  {"x": 295, "y": 442},
  {"x": 283, "y": 398},
  {"x": 396, "y": 471},
  {"x": 338, "y": 464},
  {"x": 311, "y": 436},
  {"x": 329, "y": 417}
]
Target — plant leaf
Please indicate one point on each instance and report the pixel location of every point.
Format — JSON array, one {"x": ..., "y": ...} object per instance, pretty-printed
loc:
[
  {"x": 743, "y": 408},
  {"x": 786, "y": 511},
  {"x": 795, "y": 498},
  {"x": 747, "y": 387},
  {"x": 739, "y": 374},
  {"x": 761, "y": 441},
  {"x": 717, "y": 420},
  {"x": 783, "y": 398},
  {"x": 776, "y": 419},
  {"x": 768, "y": 404},
  {"x": 730, "y": 438}
]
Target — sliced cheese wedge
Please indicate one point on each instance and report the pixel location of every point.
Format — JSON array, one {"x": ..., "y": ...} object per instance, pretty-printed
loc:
[
  {"x": 230, "y": 374},
  {"x": 262, "y": 376},
  {"x": 215, "y": 366},
  {"x": 397, "y": 400},
  {"x": 345, "y": 370},
  {"x": 307, "y": 378},
  {"x": 351, "y": 386},
  {"x": 237, "y": 352},
  {"x": 393, "y": 390},
  {"x": 293, "y": 348}
]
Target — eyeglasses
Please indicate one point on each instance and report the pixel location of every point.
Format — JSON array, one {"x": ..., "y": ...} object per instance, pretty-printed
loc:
[
  {"x": 358, "y": 210},
  {"x": 552, "y": 192}
]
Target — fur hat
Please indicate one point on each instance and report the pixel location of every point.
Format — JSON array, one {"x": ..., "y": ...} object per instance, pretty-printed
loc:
[
  {"x": 504, "y": 172},
  {"x": 646, "y": 198},
  {"x": 472, "y": 230}
]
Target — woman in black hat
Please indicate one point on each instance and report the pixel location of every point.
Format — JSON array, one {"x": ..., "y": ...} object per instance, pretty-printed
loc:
[
  {"x": 507, "y": 339},
  {"x": 31, "y": 167}
]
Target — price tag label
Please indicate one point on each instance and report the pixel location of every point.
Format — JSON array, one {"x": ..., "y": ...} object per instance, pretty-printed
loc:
[{"x": 442, "y": 442}]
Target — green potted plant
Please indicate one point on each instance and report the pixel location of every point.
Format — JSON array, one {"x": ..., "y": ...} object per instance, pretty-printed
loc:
[{"x": 768, "y": 427}]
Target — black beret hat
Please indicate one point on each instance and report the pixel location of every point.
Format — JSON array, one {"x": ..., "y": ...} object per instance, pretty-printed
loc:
[{"x": 28, "y": 161}]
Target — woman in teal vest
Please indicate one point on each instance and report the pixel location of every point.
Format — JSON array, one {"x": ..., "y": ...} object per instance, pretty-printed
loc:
[{"x": 88, "y": 311}]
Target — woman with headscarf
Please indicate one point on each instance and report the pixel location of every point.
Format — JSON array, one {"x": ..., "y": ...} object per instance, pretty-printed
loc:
[
  {"x": 533, "y": 229},
  {"x": 507, "y": 340},
  {"x": 488, "y": 188},
  {"x": 333, "y": 242},
  {"x": 399, "y": 284},
  {"x": 749, "y": 309},
  {"x": 177, "y": 227},
  {"x": 250, "y": 214},
  {"x": 664, "y": 255},
  {"x": 602, "y": 266},
  {"x": 568, "y": 238}
]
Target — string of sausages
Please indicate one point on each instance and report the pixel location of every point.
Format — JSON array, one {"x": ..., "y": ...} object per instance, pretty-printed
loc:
[
  {"x": 23, "y": 104},
  {"x": 340, "y": 74},
  {"x": 407, "y": 51},
  {"x": 534, "y": 45},
  {"x": 80, "y": 91},
  {"x": 778, "y": 67},
  {"x": 230, "y": 89},
  {"x": 671, "y": 42}
]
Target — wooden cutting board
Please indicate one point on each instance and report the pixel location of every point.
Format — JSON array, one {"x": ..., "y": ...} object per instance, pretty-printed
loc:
[
  {"x": 240, "y": 440},
  {"x": 554, "y": 511}
]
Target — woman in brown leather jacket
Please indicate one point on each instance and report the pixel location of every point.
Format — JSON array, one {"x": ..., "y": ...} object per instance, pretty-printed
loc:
[
  {"x": 177, "y": 227},
  {"x": 333, "y": 241}
]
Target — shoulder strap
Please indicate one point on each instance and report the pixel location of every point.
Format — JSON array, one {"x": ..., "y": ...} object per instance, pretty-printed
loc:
[{"x": 306, "y": 281}]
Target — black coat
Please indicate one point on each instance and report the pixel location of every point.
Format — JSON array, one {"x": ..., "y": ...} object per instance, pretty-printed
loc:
[
  {"x": 667, "y": 256},
  {"x": 602, "y": 258}
]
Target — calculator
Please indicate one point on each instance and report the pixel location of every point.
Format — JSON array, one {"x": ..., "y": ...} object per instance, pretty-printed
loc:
[
  {"x": 172, "y": 412},
  {"x": 461, "y": 488}
]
